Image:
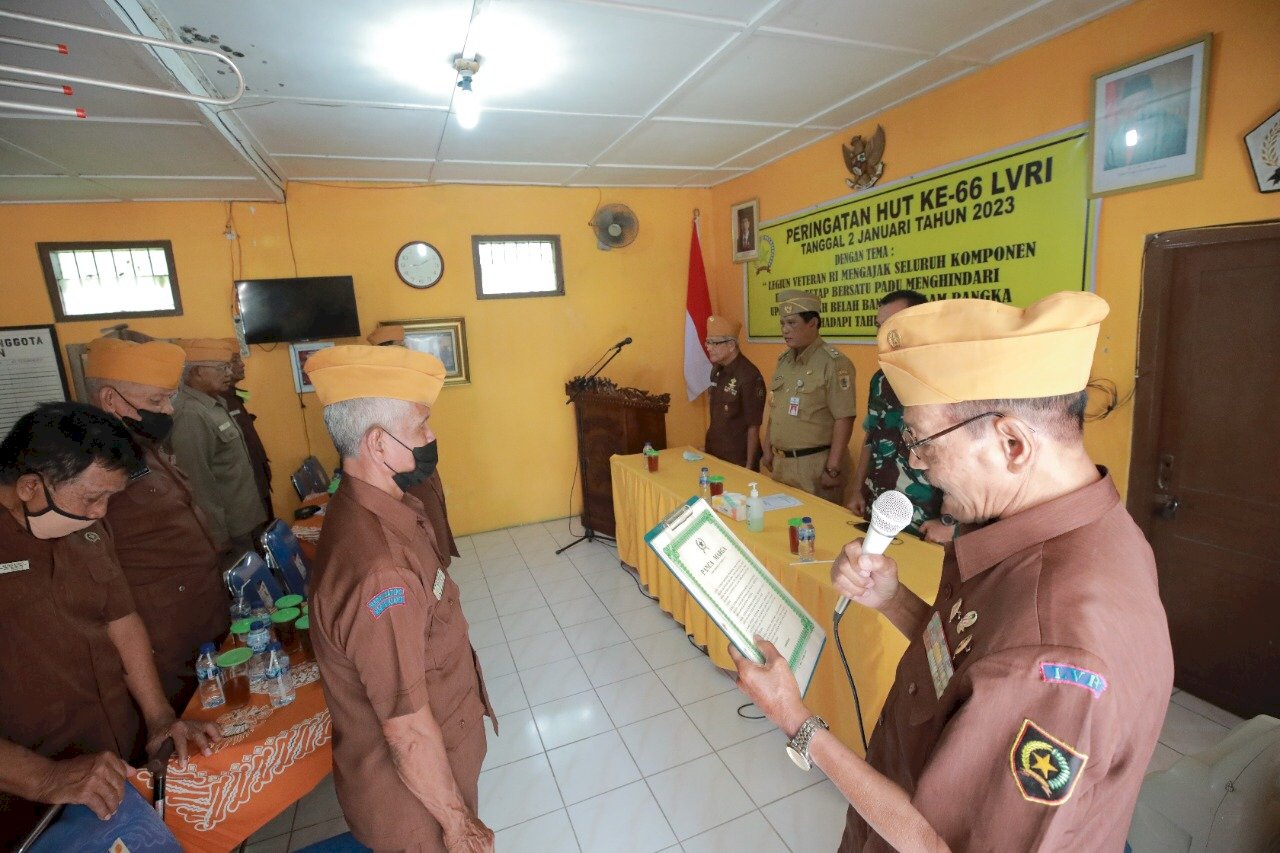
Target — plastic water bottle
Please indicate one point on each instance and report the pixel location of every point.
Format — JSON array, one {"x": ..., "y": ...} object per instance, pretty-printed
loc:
[
  {"x": 279, "y": 680},
  {"x": 808, "y": 538},
  {"x": 210, "y": 677},
  {"x": 259, "y": 635},
  {"x": 240, "y": 607},
  {"x": 704, "y": 483}
]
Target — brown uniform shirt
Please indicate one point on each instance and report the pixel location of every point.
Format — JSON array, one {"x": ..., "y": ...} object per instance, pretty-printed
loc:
[
  {"x": 1040, "y": 738},
  {"x": 253, "y": 443},
  {"x": 431, "y": 492},
  {"x": 390, "y": 639},
  {"x": 211, "y": 452},
  {"x": 736, "y": 398},
  {"x": 62, "y": 689},
  {"x": 171, "y": 564}
]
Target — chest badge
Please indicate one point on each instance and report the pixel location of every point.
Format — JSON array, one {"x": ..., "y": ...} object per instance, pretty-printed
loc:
[
  {"x": 955, "y": 609},
  {"x": 969, "y": 620},
  {"x": 92, "y": 537},
  {"x": 732, "y": 387}
]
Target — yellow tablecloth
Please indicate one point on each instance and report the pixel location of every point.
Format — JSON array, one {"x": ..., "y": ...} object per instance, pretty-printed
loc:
[{"x": 641, "y": 499}]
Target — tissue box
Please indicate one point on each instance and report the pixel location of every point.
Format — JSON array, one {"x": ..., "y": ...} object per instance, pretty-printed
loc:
[{"x": 731, "y": 504}]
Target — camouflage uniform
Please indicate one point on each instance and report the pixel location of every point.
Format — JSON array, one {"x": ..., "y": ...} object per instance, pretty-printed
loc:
[{"x": 888, "y": 468}]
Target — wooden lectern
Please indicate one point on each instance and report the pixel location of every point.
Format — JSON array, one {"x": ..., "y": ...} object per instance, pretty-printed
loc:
[{"x": 611, "y": 420}]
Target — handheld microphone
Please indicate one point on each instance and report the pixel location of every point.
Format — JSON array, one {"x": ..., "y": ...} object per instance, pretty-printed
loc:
[
  {"x": 890, "y": 515},
  {"x": 622, "y": 343}
]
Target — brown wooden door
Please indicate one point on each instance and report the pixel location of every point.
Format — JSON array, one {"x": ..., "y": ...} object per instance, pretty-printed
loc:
[{"x": 1205, "y": 481}]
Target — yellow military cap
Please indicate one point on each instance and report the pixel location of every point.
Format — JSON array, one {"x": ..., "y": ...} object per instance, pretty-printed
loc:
[
  {"x": 722, "y": 327},
  {"x": 386, "y": 335},
  {"x": 154, "y": 363},
  {"x": 207, "y": 349},
  {"x": 954, "y": 350},
  {"x": 797, "y": 302},
  {"x": 350, "y": 372}
]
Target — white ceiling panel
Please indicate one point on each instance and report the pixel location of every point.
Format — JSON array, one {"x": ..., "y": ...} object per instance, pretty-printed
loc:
[
  {"x": 740, "y": 11},
  {"x": 916, "y": 24},
  {"x": 711, "y": 177},
  {"x": 913, "y": 82},
  {"x": 296, "y": 167},
  {"x": 146, "y": 189},
  {"x": 14, "y": 161},
  {"x": 117, "y": 148},
  {"x": 51, "y": 189},
  {"x": 1036, "y": 25},
  {"x": 683, "y": 143},
  {"x": 533, "y": 137},
  {"x": 784, "y": 143},
  {"x": 631, "y": 176},
  {"x": 780, "y": 78},
  {"x": 503, "y": 173},
  {"x": 291, "y": 127}
]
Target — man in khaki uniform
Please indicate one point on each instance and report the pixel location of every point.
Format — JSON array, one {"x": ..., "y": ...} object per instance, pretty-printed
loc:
[
  {"x": 160, "y": 538},
  {"x": 400, "y": 676},
  {"x": 811, "y": 404},
  {"x": 736, "y": 397},
  {"x": 237, "y": 400},
  {"x": 1028, "y": 703},
  {"x": 210, "y": 448}
]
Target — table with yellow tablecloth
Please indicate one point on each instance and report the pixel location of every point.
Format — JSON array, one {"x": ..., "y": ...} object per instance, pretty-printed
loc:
[{"x": 641, "y": 499}]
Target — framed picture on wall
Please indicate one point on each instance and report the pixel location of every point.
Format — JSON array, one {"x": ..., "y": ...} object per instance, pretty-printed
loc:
[
  {"x": 745, "y": 217},
  {"x": 443, "y": 337},
  {"x": 298, "y": 355},
  {"x": 1148, "y": 120},
  {"x": 1263, "y": 143}
]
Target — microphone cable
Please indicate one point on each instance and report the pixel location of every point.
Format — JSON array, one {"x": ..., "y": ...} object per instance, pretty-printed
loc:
[{"x": 853, "y": 687}]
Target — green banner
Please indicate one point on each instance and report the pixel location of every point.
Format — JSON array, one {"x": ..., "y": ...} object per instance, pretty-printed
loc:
[{"x": 1012, "y": 226}]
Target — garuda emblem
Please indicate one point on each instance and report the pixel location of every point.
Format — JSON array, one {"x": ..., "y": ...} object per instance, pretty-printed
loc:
[{"x": 862, "y": 159}]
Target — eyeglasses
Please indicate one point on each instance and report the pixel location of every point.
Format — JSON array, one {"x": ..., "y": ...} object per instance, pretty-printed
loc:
[
  {"x": 911, "y": 444},
  {"x": 717, "y": 343}
]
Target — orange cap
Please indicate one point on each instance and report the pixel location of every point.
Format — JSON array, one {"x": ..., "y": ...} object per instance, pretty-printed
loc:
[
  {"x": 154, "y": 363},
  {"x": 385, "y": 335},
  {"x": 207, "y": 349},
  {"x": 722, "y": 328},
  {"x": 351, "y": 372}
]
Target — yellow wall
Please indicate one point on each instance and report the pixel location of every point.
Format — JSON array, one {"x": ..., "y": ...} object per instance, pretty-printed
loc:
[
  {"x": 507, "y": 440},
  {"x": 1036, "y": 92}
]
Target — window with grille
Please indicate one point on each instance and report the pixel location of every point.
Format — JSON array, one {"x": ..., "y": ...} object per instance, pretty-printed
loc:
[
  {"x": 110, "y": 281},
  {"x": 519, "y": 265}
]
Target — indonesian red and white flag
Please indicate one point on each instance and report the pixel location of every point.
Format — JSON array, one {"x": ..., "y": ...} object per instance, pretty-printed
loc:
[{"x": 697, "y": 308}]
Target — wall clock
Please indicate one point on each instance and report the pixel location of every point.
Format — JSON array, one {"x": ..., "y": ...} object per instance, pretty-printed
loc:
[{"x": 419, "y": 264}]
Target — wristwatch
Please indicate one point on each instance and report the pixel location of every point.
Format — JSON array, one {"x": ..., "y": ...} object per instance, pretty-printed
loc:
[{"x": 798, "y": 746}]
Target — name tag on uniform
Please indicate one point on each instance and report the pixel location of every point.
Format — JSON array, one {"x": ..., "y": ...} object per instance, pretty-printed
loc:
[
  {"x": 15, "y": 566},
  {"x": 793, "y": 407},
  {"x": 939, "y": 654},
  {"x": 437, "y": 588},
  {"x": 224, "y": 425}
]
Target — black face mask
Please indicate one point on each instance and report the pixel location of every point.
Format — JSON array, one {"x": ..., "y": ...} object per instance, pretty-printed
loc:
[
  {"x": 424, "y": 464},
  {"x": 155, "y": 426}
]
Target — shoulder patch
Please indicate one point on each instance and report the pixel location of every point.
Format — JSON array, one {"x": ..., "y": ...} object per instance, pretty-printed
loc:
[
  {"x": 1061, "y": 673},
  {"x": 1044, "y": 768},
  {"x": 845, "y": 381},
  {"x": 385, "y": 599}
]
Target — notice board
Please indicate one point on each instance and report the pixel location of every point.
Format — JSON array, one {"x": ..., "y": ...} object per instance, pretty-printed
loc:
[{"x": 31, "y": 372}]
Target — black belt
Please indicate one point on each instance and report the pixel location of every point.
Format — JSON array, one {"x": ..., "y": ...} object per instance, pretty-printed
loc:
[{"x": 804, "y": 451}]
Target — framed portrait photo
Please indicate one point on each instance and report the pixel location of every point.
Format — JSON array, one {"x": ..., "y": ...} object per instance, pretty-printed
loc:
[
  {"x": 1148, "y": 120},
  {"x": 744, "y": 218},
  {"x": 446, "y": 339},
  {"x": 1263, "y": 143},
  {"x": 298, "y": 355}
]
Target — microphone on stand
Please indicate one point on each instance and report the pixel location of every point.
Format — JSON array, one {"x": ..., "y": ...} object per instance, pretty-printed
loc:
[
  {"x": 890, "y": 515},
  {"x": 622, "y": 343}
]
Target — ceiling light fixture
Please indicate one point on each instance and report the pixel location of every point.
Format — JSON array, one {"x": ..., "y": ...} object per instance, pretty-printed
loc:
[{"x": 466, "y": 106}]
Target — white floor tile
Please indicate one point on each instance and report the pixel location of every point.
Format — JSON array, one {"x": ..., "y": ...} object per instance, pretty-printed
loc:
[
  {"x": 718, "y": 720},
  {"x": 553, "y": 568},
  {"x": 278, "y": 844},
  {"x": 695, "y": 679},
  {"x": 646, "y": 621},
  {"x": 553, "y": 681},
  {"x": 490, "y": 537},
  {"x": 579, "y": 610},
  {"x": 506, "y": 693},
  {"x": 513, "y": 581},
  {"x": 660, "y": 743},
  {"x": 571, "y": 719},
  {"x": 750, "y": 833},
  {"x": 526, "y": 623},
  {"x": 472, "y": 587},
  {"x": 518, "y": 792},
  {"x": 609, "y": 578},
  {"x": 565, "y": 589},
  {"x": 479, "y": 609},
  {"x": 1163, "y": 758},
  {"x": 594, "y": 560},
  {"x": 497, "y": 550},
  {"x": 463, "y": 571},
  {"x": 1188, "y": 732},
  {"x": 541, "y": 649},
  {"x": 763, "y": 769},
  {"x": 624, "y": 599},
  {"x": 812, "y": 819},
  {"x": 551, "y": 832},
  {"x": 613, "y": 663},
  {"x": 496, "y": 566},
  {"x": 596, "y": 634},
  {"x": 318, "y": 805},
  {"x": 486, "y": 633},
  {"x": 317, "y": 832},
  {"x": 635, "y": 698},
  {"x": 591, "y": 767},
  {"x": 279, "y": 825},
  {"x": 540, "y": 550},
  {"x": 1205, "y": 709},
  {"x": 518, "y": 739},
  {"x": 719, "y": 798},
  {"x": 627, "y": 820},
  {"x": 559, "y": 525},
  {"x": 518, "y": 601},
  {"x": 667, "y": 647},
  {"x": 496, "y": 660}
]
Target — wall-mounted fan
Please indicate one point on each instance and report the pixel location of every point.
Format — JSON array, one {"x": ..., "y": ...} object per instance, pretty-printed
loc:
[{"x": 615, "y": 226}]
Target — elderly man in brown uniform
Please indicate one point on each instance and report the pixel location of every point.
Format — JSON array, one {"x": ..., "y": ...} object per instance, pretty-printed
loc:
[
  {"x": 160, "y": 537},
  {"x": 736, "y": 397},
  {"x": 211, "y": 450},
  {"x": 74, "y": 651},
  {"x": 400, "y": 675},
  {"x": 811, "y": 404},
  {"x": 236, "y": 400},
  {"x": 1028, "y": 704}
]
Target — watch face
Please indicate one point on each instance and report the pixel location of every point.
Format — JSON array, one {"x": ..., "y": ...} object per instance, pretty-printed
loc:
[
  {"x": 419, "y": 264},
  {"x": 798, "y": 758}
]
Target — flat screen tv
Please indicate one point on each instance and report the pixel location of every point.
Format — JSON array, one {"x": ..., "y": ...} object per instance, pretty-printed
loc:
[{"x": 298, "y": 309}]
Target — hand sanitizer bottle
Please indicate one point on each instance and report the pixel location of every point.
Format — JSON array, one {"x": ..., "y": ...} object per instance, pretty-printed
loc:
[{"x": 755, "y": 511}]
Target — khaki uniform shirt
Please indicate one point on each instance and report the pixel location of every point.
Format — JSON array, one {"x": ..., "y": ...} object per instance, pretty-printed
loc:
[
  {"x": 431, "y": 492},
  {"x": 736, "y": 398},
  {"x": 171, "y": 564},
  {"x": 391, "y": 639},
  {"x": 253, "y": 443},
  {"x": 62, "y": 689},
  {"x": 1040, "y": 736},
  {"x": 212, "y": 453},
  {"x": 820, "y": 381}
]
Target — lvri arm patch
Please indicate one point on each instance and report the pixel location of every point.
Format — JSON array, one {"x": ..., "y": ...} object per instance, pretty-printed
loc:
[
  {"x": 1061, "y": 673},
  {"x": 387, "y": 598},
  {"x": 1044, "y": 768}
]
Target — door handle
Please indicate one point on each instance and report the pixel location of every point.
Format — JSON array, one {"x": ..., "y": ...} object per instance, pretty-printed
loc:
[{"x": 1168, "y": 506}]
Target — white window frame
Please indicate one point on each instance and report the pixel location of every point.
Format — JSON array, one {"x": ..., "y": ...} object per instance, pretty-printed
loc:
[
  {"x": 130, "y": 260},
  {"x": 481, "y": 255}
]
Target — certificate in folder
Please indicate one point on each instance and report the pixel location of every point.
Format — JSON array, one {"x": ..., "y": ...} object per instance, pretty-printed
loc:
[{"x": 738, "y": 593}]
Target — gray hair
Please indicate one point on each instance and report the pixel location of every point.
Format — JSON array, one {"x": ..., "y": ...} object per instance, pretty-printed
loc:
[
  {"x": 1061, "y": 416},
  {"x": 93, "y": 386},
  {"x": 349, "y": 420}
]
